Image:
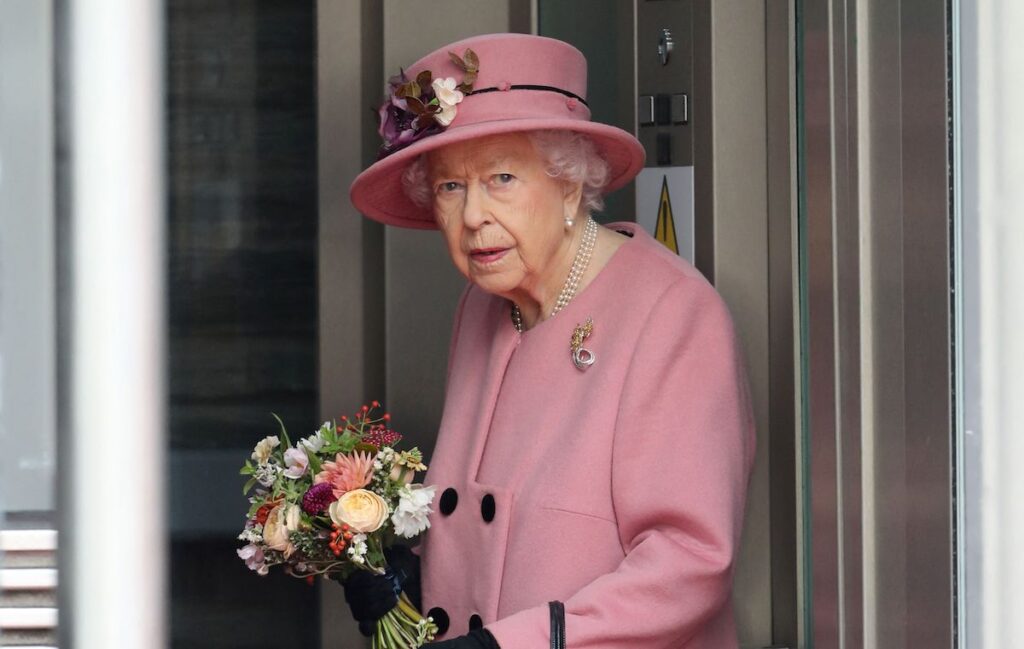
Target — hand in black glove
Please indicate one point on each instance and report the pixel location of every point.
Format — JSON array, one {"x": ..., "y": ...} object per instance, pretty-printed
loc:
[
  {"x": 371, "y": 596},
  {"x": 479, "y": 639}
]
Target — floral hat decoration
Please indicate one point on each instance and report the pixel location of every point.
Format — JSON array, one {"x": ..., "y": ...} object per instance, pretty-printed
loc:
[
  {"x": 423, "y": 106},
  {"x": 481, "y": 86}
]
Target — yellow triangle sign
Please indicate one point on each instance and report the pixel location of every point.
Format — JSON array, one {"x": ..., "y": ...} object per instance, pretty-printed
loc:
[{"x": 665, "y": 228}]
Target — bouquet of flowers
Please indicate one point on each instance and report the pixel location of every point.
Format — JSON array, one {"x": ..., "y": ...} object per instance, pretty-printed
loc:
[{"x": 332, "y": 503}]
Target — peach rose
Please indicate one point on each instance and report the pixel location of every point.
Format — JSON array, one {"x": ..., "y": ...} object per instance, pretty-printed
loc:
[
  {"x": 360, "y": 509},
  {"x": 281, "y": 522},
  {"x": 402, "y": 474}
]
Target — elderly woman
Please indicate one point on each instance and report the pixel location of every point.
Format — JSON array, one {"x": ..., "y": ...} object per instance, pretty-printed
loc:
[{"x": 597, "y": 437}]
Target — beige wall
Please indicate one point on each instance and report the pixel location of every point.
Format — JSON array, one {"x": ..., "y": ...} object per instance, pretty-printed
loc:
[
  {"x": 422, "y": 287},
  {"x": 740, "y": 211}
]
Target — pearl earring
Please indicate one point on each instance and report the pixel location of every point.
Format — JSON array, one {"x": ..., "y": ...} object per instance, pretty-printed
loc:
[{"x": 569, "y": 221}]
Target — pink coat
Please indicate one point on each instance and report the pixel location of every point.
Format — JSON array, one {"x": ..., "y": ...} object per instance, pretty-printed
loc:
[{"x": 619, "y": 490}]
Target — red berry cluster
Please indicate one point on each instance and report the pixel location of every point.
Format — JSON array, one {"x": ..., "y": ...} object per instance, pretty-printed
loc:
[
  {"x": 372, "y": 431},
  {"x": 339, "y": 538}
]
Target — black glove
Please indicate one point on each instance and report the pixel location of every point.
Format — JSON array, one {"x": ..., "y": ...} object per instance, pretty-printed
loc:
[
  {"x": 479, "y": 639},
  {"x": 371, "y": 596}
]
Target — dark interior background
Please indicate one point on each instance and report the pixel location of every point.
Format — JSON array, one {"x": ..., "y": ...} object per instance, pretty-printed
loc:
[{"x": 242, "y": 256}]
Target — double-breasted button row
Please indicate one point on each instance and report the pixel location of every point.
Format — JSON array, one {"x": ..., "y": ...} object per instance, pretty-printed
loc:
[{"x": 450, "y": 500}]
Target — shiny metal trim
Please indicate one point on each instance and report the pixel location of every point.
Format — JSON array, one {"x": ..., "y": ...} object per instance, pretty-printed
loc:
[
  {"x": 817, "y": 277},
  {"x": 782, "y": 286}
]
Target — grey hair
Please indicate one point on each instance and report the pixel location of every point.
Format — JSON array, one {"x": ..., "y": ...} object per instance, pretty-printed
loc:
[{"x": 569, "y": 156}]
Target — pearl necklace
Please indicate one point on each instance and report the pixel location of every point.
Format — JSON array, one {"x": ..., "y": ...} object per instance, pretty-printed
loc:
[{"x": 572, "y": 282}]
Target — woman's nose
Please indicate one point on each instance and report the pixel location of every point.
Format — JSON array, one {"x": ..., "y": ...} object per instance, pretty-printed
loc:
[{"x": 475, "y": 212}]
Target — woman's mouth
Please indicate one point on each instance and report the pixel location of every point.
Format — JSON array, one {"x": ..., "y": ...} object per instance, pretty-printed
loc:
[{"x": 487, "y": 255}]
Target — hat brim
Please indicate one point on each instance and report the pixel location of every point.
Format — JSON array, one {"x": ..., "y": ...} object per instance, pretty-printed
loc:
[{"x": 377, "y": 192}]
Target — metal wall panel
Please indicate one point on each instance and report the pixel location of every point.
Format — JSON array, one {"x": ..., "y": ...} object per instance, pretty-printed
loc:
[{"x": 875, "y": 214}]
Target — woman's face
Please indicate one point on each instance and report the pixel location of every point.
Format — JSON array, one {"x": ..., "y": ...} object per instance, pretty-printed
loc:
[{"x": 502, "y": 215}]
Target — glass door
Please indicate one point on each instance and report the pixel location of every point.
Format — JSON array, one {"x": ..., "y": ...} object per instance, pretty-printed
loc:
[{"x": 242, "y": 301}]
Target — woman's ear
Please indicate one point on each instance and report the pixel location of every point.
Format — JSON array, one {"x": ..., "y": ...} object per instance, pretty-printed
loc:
[{"x": 572, "y": 198}]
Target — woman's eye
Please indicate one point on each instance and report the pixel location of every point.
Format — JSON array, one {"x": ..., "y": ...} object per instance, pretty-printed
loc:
[
  {"x": 503, "y": 179},
  {"x": 448, "y": 187}
]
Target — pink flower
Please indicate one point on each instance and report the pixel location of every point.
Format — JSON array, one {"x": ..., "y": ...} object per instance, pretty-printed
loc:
[
  {"x": 296, "y": 461},
  {"x": 347, "y": 472},
  {"x": 252, "y": 555}
]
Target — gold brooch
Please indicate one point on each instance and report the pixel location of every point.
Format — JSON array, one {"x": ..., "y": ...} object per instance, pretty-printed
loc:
[{"x": 582, "y": 357}]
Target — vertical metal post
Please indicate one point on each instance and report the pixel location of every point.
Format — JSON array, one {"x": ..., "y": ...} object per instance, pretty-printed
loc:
[{"x": 115, "y": 446}]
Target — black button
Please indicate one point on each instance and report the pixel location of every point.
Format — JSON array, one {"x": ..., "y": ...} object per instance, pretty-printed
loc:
[
  {"x": 440, "y": 619},
  {"x": 487, "y": 508},
  {"x": 449, "y": 499},
  {"x": 475, "y": 622}
]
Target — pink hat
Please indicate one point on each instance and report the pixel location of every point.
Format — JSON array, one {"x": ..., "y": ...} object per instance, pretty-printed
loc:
[{"x": 503, "y": 83}]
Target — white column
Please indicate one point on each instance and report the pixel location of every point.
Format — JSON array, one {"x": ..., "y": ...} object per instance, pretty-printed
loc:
[
  {"x": 1000, "y": 211},
  {"x": 115, "y": 62}
]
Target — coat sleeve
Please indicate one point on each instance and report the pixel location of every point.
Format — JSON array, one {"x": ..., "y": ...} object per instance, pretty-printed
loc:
[{"x": 682, "y": 455}]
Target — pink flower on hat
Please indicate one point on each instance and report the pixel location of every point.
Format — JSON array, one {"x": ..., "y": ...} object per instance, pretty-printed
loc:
[{"x": 447, "y": 96}]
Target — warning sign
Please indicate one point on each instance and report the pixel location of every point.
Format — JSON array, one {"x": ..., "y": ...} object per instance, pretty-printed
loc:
[
  {"x": 665, "y": 228},
  {"x": 664, "y": 207}
]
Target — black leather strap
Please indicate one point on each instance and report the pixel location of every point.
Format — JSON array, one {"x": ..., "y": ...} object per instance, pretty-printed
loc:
[{"x": 557, "y": 625}]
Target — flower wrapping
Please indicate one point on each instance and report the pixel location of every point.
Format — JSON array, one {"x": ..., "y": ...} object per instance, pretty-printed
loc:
[{"x": 332, "y": 503}]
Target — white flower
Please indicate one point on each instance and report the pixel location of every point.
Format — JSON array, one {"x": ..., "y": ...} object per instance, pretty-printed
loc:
[
  {"x": 264, "y": 448},
  {"x": 357, "y": 549},
  {"x": 296, "y": 461},
  {"x": 314, "y": 442},
  {"x": 410, "y": 517},
  {"x": 266, "y": 474},
  {"x": 447, "y": 96},
  {"x": 252, "y": 534}
]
